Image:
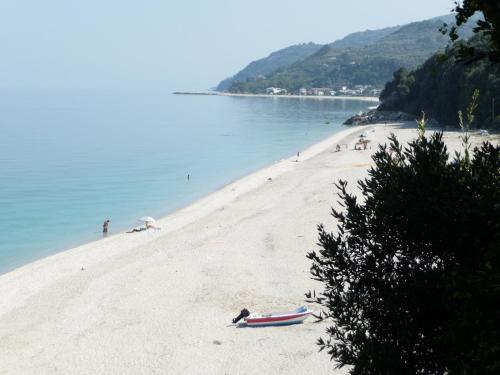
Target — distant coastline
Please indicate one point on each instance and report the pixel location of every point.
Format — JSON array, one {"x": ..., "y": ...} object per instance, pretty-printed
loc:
[
  {"x": 215, "y": 93},
  {"x": 193, "y": 93}
]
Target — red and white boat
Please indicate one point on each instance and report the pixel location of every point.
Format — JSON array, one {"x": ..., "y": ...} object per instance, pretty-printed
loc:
[{"x": 278, "y": 318}]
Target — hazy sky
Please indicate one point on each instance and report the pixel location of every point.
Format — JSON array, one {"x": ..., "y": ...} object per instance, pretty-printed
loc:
[{"x": 183, "y": 44}]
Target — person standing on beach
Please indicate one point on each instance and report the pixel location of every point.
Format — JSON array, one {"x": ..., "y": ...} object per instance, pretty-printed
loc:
[{"x": 105, "y": 227}]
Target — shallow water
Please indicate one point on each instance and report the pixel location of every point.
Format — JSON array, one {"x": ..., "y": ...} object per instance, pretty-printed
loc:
[{"x": 69, "y": 159}]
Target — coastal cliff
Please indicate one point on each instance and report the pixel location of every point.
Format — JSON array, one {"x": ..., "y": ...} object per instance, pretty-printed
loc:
[{"x": 379, "y": 117}]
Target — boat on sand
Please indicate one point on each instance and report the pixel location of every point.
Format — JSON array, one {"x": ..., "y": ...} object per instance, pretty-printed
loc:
[{"x": 274, "y": 318}]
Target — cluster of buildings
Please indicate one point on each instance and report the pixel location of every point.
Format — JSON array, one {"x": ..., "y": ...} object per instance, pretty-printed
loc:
[
  {"x": 318, "y": 91},
  {"x": 358, "y": 90}
]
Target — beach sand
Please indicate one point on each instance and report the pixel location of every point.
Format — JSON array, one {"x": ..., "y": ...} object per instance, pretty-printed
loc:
[{"x": 162, "y": 302}]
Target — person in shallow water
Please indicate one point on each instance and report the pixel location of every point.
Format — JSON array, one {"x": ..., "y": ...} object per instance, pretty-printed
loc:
[{"x": 105, "y": 227}]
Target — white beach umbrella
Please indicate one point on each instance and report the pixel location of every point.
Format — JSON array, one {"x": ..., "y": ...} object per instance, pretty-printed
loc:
[{"x": 147, "y": 219}]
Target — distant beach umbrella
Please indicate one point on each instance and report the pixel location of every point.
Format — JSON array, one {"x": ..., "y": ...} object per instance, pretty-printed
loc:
[{"x": 148, "y": 219}]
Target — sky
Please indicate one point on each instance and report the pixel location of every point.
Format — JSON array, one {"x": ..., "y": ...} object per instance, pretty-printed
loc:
[{"x": 175, "y": 45}]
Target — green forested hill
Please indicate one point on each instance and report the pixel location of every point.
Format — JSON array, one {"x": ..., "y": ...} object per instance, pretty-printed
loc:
[
  {"x": 348, "y": 63},
  {"x": 287, "y": 56},
  {"x": 444, "y": 84},
  {"x": 363, "y": 38},
  {"x": 271, "y": 63}
]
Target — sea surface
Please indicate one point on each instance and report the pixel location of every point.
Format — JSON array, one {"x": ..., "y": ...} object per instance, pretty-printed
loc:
[{"x": 69, "y": 159}]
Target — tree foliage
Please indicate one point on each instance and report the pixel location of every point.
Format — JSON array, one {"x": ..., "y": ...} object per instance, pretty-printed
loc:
[
  {"x": 445, "y": 83},
  {"x": 412, "y": 274},
  {"x": 489, "y": 24}
]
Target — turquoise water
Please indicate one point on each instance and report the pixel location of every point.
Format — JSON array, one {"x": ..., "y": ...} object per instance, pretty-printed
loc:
[{"x": 70, "y": 159}]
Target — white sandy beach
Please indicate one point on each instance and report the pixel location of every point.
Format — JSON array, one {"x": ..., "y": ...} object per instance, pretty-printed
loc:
[{"x": 162, "y": 302}]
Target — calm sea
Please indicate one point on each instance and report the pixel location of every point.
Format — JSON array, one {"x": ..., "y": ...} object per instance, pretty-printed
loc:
[{"x": 71, "y": 158}]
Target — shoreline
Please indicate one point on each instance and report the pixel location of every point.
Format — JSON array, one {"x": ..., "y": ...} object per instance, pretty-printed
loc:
[
  {"x": 74, "y": 241},
  {"x": 309, "y": 152},
  {"x": 150, "y": 302},
  {"x": 316, "y": 97}
]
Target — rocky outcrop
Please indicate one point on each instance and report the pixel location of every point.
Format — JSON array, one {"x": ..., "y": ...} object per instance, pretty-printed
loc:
[{"x": 376, "y": 117}]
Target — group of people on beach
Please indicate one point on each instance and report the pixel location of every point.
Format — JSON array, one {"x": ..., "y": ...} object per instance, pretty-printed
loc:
[{"x": 147, "y": 225}]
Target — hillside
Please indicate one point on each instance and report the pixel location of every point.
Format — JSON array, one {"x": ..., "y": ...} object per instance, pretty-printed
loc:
[
  {"x": 363, "y": 38},
  {"x": 290, "y": 55},
  {"x": 444, "y": 84},
  {"x": 348, "y": 63},
  {"x": 279, "y": 59}
]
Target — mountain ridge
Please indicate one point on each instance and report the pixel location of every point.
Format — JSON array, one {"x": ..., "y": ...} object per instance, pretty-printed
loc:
[
  {"x": 362, "y": 58},
  {"x": 265, "y": 65},
  {"x": 271, "y": 63}
]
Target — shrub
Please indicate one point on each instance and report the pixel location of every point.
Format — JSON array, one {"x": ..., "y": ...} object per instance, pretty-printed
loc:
[{"x": 411, "y": 276}]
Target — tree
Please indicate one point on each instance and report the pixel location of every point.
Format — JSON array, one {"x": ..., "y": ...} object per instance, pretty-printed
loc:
[
  {"x": 412, "y": 275},
  {"x": 397, "y": 91},
  {"x": 444, "y": 84},
  {"x": 489, "y": 25}
]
